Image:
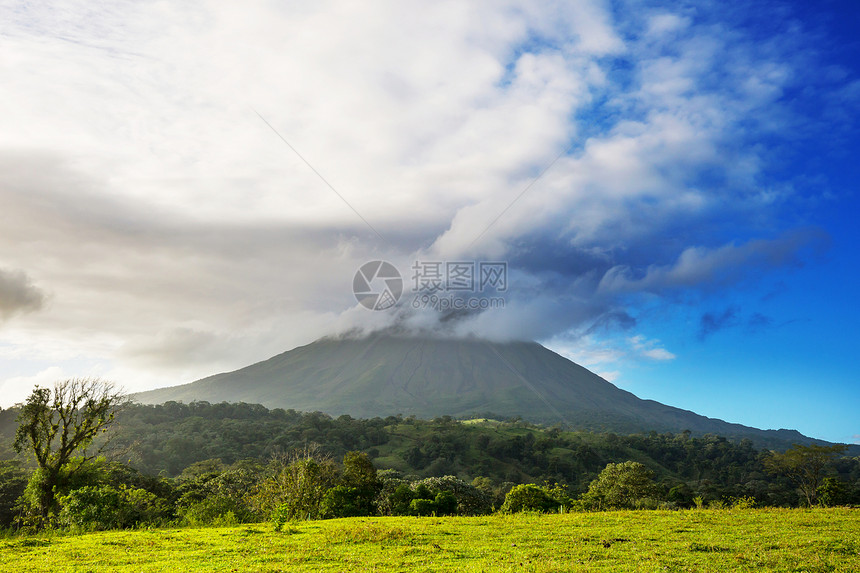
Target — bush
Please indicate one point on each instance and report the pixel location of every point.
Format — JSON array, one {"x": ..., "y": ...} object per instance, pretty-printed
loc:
[
  {"x": 422, "y": 507},
  {"x": 218, "y": 510},
  {"x": 400, "y": 500},
  {"x": 832, "y": 492},
  {"x": 469, "y": 499},
  {"x": 629, "y": 485},
  {"x": 297, "y": 490},
  {"x": 446, "y": 503},
  {"x": 342, "y": 501},
  {"x": 745, "y": 502},
  {"x": 91, "y": 508},
  {"x": 528, "y": 497},
  {"x": 13, "y": 482}
]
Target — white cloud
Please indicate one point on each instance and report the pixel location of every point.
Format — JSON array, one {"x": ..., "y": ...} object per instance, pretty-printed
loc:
[
  {"x": 16, "y": 389},
  {"x": 650, "y": 349},
  {"x": 177, "y": 234}
]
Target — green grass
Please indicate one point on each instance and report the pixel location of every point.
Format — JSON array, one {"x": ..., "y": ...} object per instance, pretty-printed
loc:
[{"x": 703, "y": 540}]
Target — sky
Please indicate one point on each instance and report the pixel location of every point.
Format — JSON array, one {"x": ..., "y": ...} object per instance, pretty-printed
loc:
[{"x": 187, "y": 188}]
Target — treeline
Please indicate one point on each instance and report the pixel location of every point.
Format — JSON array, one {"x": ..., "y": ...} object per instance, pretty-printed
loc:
[{"x": 207, "y": 463}]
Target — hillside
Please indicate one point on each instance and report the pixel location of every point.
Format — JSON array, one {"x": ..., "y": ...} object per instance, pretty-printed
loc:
[{"x": 425, "y": 377}]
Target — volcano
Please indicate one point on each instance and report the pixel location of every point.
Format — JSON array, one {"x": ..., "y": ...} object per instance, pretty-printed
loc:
[{"x": 428, "y": 377}]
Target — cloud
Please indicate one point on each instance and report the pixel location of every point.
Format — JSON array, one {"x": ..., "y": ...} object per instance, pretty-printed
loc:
[
  {"x": 609, "y": 356},
  {"x": 758, "y": 321},
  {"x": 718, "y": 267},
  {"x": 16, "y": 389},
  {"x": 714, "y": 322},
  {"x": 18, "y": 294},
  {"x": 732, "y": 317},
  {"x": 650, "y": 349},
  {"x": 609, "y": 154}
]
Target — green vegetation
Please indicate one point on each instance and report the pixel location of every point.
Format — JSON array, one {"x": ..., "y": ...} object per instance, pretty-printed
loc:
[
  {"x": 628, "y": 485},
  {"x": 805, "y": 466},
  {"x": 516, "y": 497},
  {"x": 816, "y": 540},
  {"x": 182, "y": 466},
  {"x": 383, "y": 374},
  {"x": 55, "y": 426}
]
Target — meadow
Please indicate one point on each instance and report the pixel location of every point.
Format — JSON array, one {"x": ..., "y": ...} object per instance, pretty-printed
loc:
[{"x": 797, "y": 540}]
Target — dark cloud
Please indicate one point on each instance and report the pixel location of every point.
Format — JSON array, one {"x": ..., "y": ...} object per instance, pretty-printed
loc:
[
  {"x": 712, "y": 322},
  {"x": 18, "y": 294},
  {"x": 758, "y": 321},
  {"x": 731, "y": 317}
]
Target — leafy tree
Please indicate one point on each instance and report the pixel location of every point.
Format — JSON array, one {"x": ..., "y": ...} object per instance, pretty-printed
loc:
[
  {"x": 805, "y": 466},
  {"x": 296, "y": 491},
  {"x": 446, "y": 503},
  {"x": 400, "y": 498},
  {"x": 360, "y": 475},
  {"x": 470, "y": 500},
  {"x": 621, "y": 486},
  {"x": 210, "y": 494},
  {"x": 422, "y": 507},
  {"x": 57, "y": 428},
  {"x": 342, "y": 501},
  {"x": 831, "y": 492},
  {"x": 528, "y": 497},
  {"x": 13, "y": 481}
]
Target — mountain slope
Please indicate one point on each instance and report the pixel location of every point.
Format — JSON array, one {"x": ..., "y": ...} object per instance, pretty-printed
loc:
[{"x": 425, "y": 377}]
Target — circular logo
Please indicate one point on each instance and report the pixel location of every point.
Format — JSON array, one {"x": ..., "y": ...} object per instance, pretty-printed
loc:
[{"x": 377, "y": 285}]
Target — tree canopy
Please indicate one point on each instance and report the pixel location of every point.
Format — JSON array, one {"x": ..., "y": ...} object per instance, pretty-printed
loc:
[{"x": 805, "y": 466}]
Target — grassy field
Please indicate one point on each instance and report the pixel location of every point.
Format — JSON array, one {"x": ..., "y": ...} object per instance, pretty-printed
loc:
[{"x": 697, "y": 540}]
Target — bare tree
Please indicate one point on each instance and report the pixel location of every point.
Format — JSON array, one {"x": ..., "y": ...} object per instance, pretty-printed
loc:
[{"x": 59, "y": 426}]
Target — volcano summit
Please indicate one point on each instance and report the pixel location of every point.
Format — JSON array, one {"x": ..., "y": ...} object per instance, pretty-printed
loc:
[{"x": 384, "y": 375}]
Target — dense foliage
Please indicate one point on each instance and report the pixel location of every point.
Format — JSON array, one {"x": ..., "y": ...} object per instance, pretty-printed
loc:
[{"x": 206, "y": 463}]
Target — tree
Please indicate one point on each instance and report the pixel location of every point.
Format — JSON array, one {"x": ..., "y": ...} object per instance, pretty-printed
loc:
[
  {"x": 621, "y": 486},
  {"x": 528, "y": 497},
  {"x": 360, "y": 475},
  {"x": 805, "y": 466},
  {"x": 13, "y": 480},
  {"x": 58, "y": 427},
  {"x": 297, "y": 489}
]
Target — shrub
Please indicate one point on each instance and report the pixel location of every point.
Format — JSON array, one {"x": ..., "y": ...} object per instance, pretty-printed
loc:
[
  {"x": 400, "y": 499},
  {"x": 102, "y": 507},
  {"x": 528, "y": 497},
  {"x": 469, "y": 499},
  {"x": 143, "y": 507},
  {"x": 297, "y": 490},
  {"x": 744, "y": 502},
  {"x": 342, "y": 501},
  {"x": 218, "y": 510},
  {"x": 628, "y": 485},
  {"x": 13, "y": 481},
  {"x": 92, "y": 508},
  {"x": 831, "y": 492},
  {"x": 446, "y": 503},
  {"x": 422, "y": 507}
]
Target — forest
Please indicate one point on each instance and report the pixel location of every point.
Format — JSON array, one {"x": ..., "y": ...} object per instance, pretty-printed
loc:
[{"x": 203, "y": 463}]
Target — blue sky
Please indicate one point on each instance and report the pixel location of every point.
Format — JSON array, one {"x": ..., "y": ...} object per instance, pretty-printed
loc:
[{"x": 672, "y": 185}]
